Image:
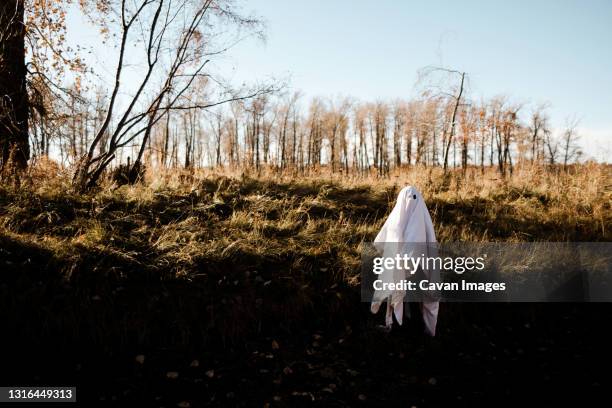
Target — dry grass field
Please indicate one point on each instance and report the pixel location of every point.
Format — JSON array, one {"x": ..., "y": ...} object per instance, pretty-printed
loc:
[{"x": 143, "y": 286}]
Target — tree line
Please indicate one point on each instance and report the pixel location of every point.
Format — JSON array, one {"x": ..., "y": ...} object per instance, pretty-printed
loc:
[
  {"x": 179, "y": 113},
  {"x": 288, "y": 132}
]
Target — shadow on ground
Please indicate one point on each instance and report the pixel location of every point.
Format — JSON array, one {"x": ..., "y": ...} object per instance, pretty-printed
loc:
[{"x": 251, "y": 327}]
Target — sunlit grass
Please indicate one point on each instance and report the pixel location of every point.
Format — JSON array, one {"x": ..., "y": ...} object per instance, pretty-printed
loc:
[{"x": 177, "y": 220}]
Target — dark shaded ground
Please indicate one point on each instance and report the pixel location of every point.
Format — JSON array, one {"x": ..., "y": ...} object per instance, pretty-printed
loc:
[
  {"x": 112, "y": 322},
  {"x": 484, "y": 354},
  {"x": 494, "y": 355}
]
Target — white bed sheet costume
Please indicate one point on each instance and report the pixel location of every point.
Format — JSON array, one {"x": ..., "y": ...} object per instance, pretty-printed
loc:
[{"x": 408, "y": 224}]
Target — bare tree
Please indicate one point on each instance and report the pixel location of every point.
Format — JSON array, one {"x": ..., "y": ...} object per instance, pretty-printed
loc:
[
  {"x": 552, "y": 146},
  {"x": 399, "y": 124},
  {"x": 360, "y": 130},
  {"x": 453, "y": 121},
  {"x": 336, "y": 126},
  {"x": 569, "y": 142},
  {"x": 179, "y": 27},
  {"x": 538, "y": 128},
  {"x": 287, "y": 110}
]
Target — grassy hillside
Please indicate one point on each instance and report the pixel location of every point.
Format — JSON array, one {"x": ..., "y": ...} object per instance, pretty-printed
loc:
[{"x": 255, "y": 281}]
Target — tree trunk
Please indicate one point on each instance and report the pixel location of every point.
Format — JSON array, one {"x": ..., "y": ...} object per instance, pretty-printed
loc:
[
  {"x": 164, "y": 158},
  {"x": 454, "y": 117},
  {"x": 14, "y": 144}
]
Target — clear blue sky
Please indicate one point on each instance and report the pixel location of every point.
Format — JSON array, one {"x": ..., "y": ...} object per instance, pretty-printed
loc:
[{"x": 534, "y": 51}]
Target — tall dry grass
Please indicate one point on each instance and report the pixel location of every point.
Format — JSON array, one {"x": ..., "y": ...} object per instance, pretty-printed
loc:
[
  {"x": 223, "y": 255},
  {"x": 177, "y": 218}
]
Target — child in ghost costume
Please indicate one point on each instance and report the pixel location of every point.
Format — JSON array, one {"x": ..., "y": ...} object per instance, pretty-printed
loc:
[{"x": 408, "y": 224}]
